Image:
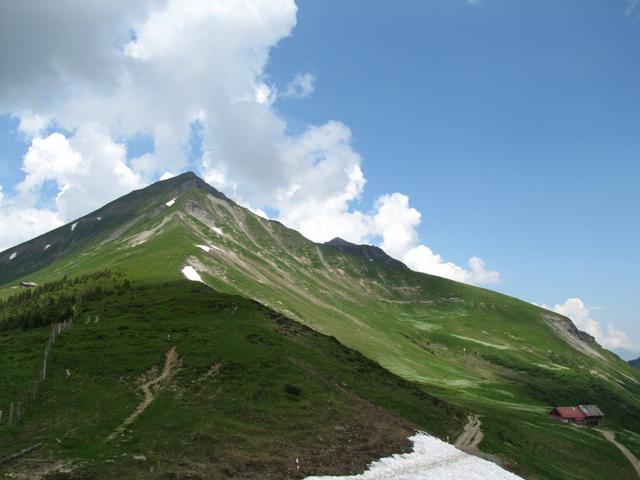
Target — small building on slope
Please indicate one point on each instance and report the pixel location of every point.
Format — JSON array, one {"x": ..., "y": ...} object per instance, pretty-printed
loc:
[{"x": 581, "y": 415}]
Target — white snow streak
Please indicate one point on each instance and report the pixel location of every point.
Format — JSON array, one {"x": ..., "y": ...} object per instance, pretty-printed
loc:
[
  {"x": 46, "y": 247},
  {"x": 191, "y": 274},
  {"x": 99, "y": 219},
  {"x": 431, "y": 459},
  {"x": 73, "y": 227},
  {"x": 208, "y": 248},
  {"x": 217, "y": 230},
  {"x": 171, "y": 202},
  {"x": 13, "y": 255}
]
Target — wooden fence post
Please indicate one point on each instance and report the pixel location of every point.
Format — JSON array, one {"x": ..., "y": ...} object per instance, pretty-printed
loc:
[
  {"x": 44, "y": 366},
  {"x": 17, "y": 410}
]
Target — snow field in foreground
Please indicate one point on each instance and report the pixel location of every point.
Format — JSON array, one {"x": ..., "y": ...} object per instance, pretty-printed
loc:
[{"x": 431, "y": 459}]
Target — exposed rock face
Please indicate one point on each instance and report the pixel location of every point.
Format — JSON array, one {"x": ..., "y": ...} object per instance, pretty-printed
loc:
[
  {"x": 635, "y": 363},
  {"x": 571, "y": 328},
  {"x": 578, "y": 339},
  {"x": 368, "y": 252}
]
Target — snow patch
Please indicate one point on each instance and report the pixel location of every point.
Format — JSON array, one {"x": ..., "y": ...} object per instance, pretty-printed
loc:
[
  {"x": 13, "y": 255},
  {"x": 99, "y": 219},
  {"x": 171, "y": 202},
  {"x": 208, "y": 248},
  {"x": 191, "y": 274},
  {"x": 46, "y": 247},
  {"x": 217, "y": 230},
  {"x": 73, "y": 227},
  {"x": 431, "y": 459}
]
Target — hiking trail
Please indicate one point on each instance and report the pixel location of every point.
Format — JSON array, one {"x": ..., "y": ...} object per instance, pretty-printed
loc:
[
  {"x": 611, "y": 437},
  {"x": 471, "y": 436},
  {"x": 170, "y": 365}
]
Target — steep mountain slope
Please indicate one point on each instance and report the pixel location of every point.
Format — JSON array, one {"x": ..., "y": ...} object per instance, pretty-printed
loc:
[{"x": 494, "y": 355}]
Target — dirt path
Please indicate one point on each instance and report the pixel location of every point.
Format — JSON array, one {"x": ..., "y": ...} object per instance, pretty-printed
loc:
[
  {"x": 470, "y": 439},
  {"x": 471, "y": 436},
  {"x": 611, "y": 437},
  {"x": 170, "y": 364}
]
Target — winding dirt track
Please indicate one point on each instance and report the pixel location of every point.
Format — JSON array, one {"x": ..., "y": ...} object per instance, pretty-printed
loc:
[
  {"x": 611, "y": 437},
  {"x": 170, "y": 364},
  {"x": 471, "y": 436}
]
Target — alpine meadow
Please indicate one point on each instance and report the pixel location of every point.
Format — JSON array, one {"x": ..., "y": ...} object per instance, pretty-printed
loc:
[
  {"x": 319, "y": 240},
  {"x": 275, "y": 348}
]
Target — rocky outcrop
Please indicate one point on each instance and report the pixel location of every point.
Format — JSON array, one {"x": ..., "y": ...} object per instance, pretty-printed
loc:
[{"x": 580, "y": 340}]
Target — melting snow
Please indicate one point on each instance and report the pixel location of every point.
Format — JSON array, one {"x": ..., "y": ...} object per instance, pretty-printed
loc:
[
  {"x": 73, "y": 227},
  {"x": 171, "y": 202},
  {"x": 46, "y": 247},
  {"x": 13, "y": 255},
  {"x": 431, "y": 459},
  {"x": 191, "y": 274},
  {"x": 208, "y": 248}
]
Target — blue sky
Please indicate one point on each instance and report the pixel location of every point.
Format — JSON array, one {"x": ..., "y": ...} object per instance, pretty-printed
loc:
[{"x": 513, "y": 127}]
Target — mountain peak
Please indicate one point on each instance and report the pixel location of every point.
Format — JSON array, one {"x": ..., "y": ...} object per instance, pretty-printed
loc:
[
  {"x": 110, "y": 221},
  {"x": 368, "y": 252},
  {"x": 340, "y": 242},
  {"x": 186, "y": 181}
]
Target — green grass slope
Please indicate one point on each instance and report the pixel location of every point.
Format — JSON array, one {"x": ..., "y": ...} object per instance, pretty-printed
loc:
[
  {"x": 497, "y": 356},
  {"x": 251, "y": 390}
]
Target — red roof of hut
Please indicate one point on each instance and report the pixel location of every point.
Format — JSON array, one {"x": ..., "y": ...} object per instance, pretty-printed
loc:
[{"x": 569, "y": 413}]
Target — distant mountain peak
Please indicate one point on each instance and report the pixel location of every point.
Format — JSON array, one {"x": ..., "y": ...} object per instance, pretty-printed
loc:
[
  {"x": 340, "y": 242},
  {"x": 110, "y": 221},
  {"x": 368, "y": 252},
  {"x": 187, "y": 181}
]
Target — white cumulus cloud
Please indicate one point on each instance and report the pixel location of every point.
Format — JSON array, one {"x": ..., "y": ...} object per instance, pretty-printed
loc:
[
  {"x": 19, "y": 222},
  {"x": 164, "y": 69}
]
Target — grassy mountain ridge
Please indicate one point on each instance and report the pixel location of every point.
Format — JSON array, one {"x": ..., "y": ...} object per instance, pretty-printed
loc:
[
  {"x": 486, "y": 352},
  {"x": 251, "y": 391}
]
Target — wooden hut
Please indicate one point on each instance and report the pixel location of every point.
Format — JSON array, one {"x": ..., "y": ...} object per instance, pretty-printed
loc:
[{"x": 581, "y": 415}]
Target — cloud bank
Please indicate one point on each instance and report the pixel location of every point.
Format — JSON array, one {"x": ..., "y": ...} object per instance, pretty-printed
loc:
[{"x": 91, "y": 76}]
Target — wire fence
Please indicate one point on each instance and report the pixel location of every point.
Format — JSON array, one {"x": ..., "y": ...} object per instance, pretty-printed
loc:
[{"x": 12, "y": 413}]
